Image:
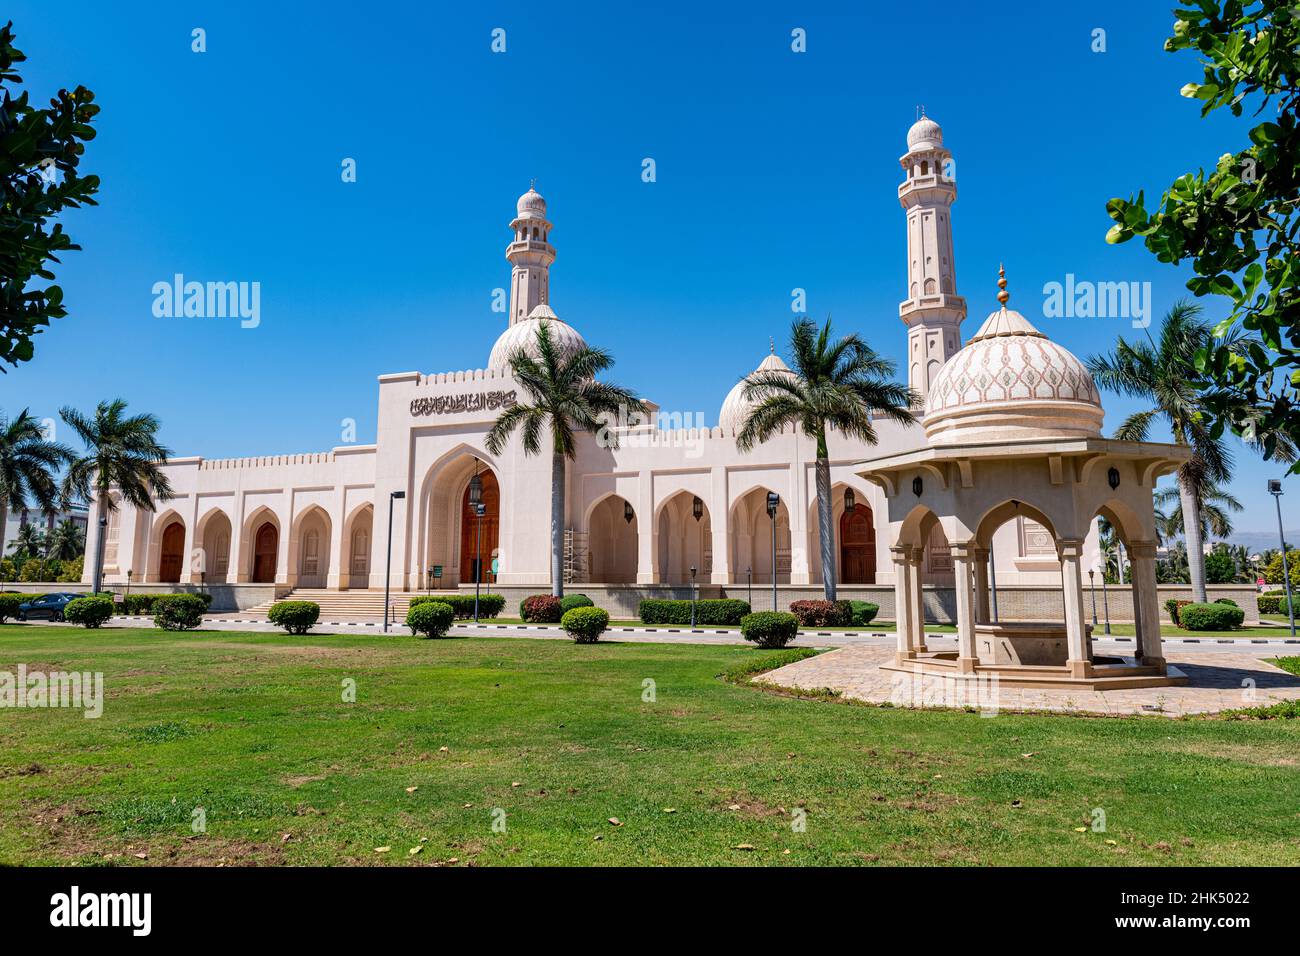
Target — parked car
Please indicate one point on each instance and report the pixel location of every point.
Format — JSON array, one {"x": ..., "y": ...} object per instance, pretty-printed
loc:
[{"x": 48, "y": 606}]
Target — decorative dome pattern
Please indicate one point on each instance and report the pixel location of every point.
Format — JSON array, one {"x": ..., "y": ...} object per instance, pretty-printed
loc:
[
  {"x": 735, "y": 407},
  {"x": 924, "y": 134},
  {"x": 523, "y": 335}
]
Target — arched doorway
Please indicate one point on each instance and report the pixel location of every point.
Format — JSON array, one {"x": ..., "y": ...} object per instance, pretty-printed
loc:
[
  {"x": 611, "y": 541},
  {"x": 751, "y": 539},
  {"x": 358, "y": 547},
  {"x": 265, "y": 545},
  {"x": 172, "y": 554},
  {"x": 685, "y": 540},
  {"x": 471, "y": 526},
  {"x": 312, "y": 560},
  {"x": 216, "y": 548},
  {"x": 858, "y": 546}
]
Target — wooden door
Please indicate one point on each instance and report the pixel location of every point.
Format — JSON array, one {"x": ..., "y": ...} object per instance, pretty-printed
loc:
[
  {"x": 470, "y": 546},
  {"x": 173, "y": 553},
  {"x": 265, "y": 546},
  {"x": 857, "y": 546}
]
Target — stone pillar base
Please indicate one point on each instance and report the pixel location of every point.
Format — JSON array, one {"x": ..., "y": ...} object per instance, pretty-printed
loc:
[
  {"x": 1079, "y": 668},
  {"x": 966, "y": 665},
  {"x": 901, "y": 657}
]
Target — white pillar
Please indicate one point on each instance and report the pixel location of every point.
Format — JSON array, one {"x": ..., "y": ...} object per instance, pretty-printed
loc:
[
  {"x": 1071, "y": 553},
  {"x": 981, "y": 558},
  {"x": 903, "y": 603},
  {"x": 967, "y": 657},
  {"x": 917, "y": 614},
  {"x": 720, "y": 525},
  {"x": 1147, "y": 611}
]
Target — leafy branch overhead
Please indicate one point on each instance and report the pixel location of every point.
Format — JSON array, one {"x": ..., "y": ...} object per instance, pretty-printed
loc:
[
  {"x": 1238, "y": 223},
  {"x": 40, "y": 150}
]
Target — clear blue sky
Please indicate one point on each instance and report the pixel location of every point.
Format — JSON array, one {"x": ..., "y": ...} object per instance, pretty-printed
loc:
[{"x": 776, "y": 170}]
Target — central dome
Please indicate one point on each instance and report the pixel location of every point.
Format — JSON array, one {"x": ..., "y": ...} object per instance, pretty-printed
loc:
[
  {"x": 1011, "y": 382},
  {"x": 735, "y": 407},
  {"x": 523, "y": 334},
  {"x": 924, "y": 134}
]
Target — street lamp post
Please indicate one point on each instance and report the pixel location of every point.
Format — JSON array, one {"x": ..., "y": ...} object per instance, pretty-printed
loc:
[
  {"x": 693, "y": 595},
  {"x": 476, "y": 502},
  {"x": 1275, "y": 489},
  {"x": 388, "y": 564},
  {"x": 773, "y": 501},
  {"x": 1105, "y": 602},
  {"x": 127, "y": 596},
  {"x": 99, "y": 555},
  {"x": 1092, "y": 586},
  {"x": 749, "y": 585}
]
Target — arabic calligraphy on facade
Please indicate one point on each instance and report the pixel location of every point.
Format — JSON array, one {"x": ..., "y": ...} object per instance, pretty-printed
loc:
[{"x": 454, "y": 404}]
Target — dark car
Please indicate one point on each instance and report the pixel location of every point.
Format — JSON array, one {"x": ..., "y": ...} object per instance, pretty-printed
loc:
[{"x": 48, "y": 606}]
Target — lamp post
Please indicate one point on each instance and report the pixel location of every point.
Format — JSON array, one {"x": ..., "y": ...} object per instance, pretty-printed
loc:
[
  {"x": 388, "y": 563},
  {"x": 749, "y": 585},
  {"x": 99, "y": 555},
  {"x": 1105, "y": 601},
  {"x": 1092, "y": 586},
  {"x": 127, "y": 595},
  {"x": 1275, "y": 489},
  {"x": 479, "y": 510},
  {"x": 773, "y": 501},
  {"x": 693, "y": 595}
]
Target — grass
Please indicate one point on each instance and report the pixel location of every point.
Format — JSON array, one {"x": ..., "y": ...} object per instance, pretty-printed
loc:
[{"x": 251, "y": 733}]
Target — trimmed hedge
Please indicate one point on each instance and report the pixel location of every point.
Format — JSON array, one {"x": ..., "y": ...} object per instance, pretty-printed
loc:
[
  {"x": 179, "y": 612},
  {"x": 541, "y": 609},
  {"x": 296, "y": 617},
  {"x": 1272, "y": 604},
  {"x": 1210, "y": 617},
  {"x": 864, "y": 612},
  {"x": 770, "y": 628},
  {"x": 430, "y": 618},
  {"x": 462, "y": 605},
  {"x": 143, "y": 604},
  {"x": 714, "y": 611},
  {"x": 585, "y": 624},
  {"x": 570, "y": 601},
  {"x": 88, "y": 611},
  {"x": 823, "y": 613}
]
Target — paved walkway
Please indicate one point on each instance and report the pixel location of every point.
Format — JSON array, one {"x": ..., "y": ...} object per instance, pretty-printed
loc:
[{"x": 1219, "y": 680}]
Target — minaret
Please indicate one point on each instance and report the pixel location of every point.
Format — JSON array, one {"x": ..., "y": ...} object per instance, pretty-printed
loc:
[
  {"x": 933, "y": 311},
  {"x": 531, "y": 254}
]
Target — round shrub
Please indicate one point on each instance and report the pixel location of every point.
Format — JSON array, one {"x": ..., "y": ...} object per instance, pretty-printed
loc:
[
  {"x": 769, "y": 628},
  {"x": 585, "y": 624},
  {"x": 570, "y": 601},
  {"x": 864, "y": 612},
  {"x": 1268, "y": 604},
  {"x": 88, "y": 611},
  {"x": 1210, "y": 617},
  {"x": 296, "y": 617},
  {"x": 1173, "y": 607},
  {"x": 430, "y": 618},
  {"x": 9, "y": 605},
  {"x": 541, "y": 609},
  {"x": 179, "y": 612},
  {"x": 823, "y": 613}
]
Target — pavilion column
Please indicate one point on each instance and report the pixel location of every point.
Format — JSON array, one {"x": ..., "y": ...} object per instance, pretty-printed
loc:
[
  {"x": 1076, "y": 635},
  {"x": 904, "y": 606},
  {"x": 980, "y": 556},
  {"x": 967, "y": 658},
  {"x": 1147, "y": 610},
  {"x": 917, "y": 616}
]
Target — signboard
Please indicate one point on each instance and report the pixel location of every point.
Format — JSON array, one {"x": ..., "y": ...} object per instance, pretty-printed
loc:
[{"x": 437, "y": 570}]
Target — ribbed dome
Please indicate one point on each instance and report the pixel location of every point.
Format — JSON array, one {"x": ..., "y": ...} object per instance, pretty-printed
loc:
[
  {"x": 924, "y": 134},
  {"x": 735, "y": 407},
  {"x": 531, "y": 205},
  {"x": 1011, "y": 382},
  {"x": 524, "y": 335}
]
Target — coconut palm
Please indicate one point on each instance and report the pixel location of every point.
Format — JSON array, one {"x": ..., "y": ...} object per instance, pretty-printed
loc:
[
  {"x": 28, "y": 543},
  {"x": 1163, "y": 374},
  {"x": 564, "y": 398},
  {"x": 67, "y": 541},
  {"x": 1214, "y": 503},
  {"x": 29, "y": 464},
  {"x": 122, "y": 452},
  {"x": 839, "y": 385}
]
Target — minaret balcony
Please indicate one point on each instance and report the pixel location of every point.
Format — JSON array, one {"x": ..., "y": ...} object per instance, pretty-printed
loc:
[
  {"x": 940, "y": 302},
  {"x": 929, "y": 188}
]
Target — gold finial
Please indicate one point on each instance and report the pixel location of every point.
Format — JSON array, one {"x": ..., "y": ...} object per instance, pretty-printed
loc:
[{"x": 1003, "y": 295}]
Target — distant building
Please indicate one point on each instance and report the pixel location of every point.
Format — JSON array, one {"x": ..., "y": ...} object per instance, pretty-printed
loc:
[{"x": 20, "y": 518}]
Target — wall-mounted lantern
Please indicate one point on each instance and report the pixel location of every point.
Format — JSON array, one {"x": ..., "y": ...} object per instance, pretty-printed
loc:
[
  {"x": 697, "y": 508},
  {"x": 850, "y": 500}
]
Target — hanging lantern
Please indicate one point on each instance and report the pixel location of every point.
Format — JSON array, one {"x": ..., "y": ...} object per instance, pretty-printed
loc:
[
  {"x": 697, "y": 508},
  {"x": 475, "y": 488},
  {"x": 850, "y": 500},
  {"x": 773, "y": 502},
  {"x": 628, "y": 513}
]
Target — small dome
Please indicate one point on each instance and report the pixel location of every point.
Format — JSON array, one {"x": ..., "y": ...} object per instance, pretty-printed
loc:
[
  {"x": 1011, "y": 382},
  {"x": 523, "y": 335},
  {"x": 924, "y": 134},
  {"x": 531, "y": 205},
  {"x": 735, "y": 407}
]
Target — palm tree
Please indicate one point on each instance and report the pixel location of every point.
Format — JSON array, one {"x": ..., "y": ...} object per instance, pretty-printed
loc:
[
  {"x": 1163, "y": 374},
  {"x": 29, "y": 463},
  {"x": 1213, "y": 502},
  {"x": 122, "y": 452},
  {"x": 840, "y": 385},
  {"x": 28, "y": 542},
  {"x": 564, "y": 398},
  {"x": 67, "y": 541}
]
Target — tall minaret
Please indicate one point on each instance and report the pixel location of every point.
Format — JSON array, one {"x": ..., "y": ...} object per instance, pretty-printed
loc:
[
  {"x": 531, "y": 254},
  {"x": 933, "y": 311}
]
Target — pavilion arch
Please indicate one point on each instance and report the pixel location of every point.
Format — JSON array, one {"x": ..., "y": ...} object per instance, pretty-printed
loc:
[
  {"x": 358, "y": 543},
  {"x": 260, "y": 545},
  {"x": 213, "y": 535},
  {"x": 611, "y": 540},
  {"x": 449, "y": 536},
  {"x": 856, "y": 559},
  {"x": 309, "y": 548},
  {"x": 682, "y": 542},
  {"x": 167, "y": 562},
  {"x": 751, "y": 538},
  {"x": 1009, "y": 510},
  {"x": 1126, "y": 522}
]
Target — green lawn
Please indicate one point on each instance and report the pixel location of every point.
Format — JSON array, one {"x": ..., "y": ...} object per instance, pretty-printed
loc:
[{"x": 252, "y": 728}]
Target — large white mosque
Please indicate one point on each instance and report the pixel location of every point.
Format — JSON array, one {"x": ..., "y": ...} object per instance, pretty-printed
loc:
[{"x": 665, "y": 508}]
